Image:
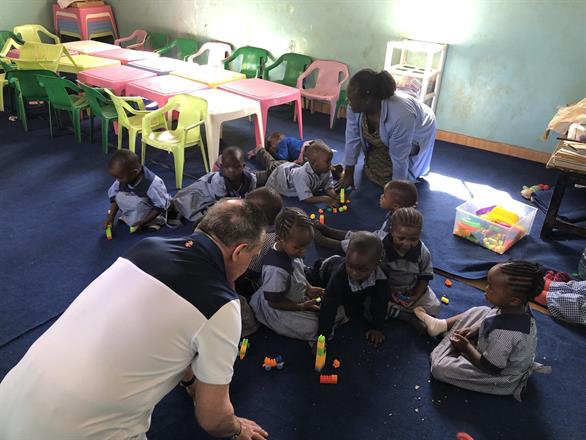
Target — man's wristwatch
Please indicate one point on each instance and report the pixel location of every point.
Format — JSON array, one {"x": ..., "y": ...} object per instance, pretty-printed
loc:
[
  {"x": 186, "y": 383},
  {"x": 238, "y": 431}
]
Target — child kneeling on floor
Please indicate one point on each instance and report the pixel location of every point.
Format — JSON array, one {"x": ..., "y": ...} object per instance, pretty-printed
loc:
[
  {"x": 311, "y": 182},
  {"x": 491, "y": 350},
  {"x": 138, "y": 193},
  {"x": 349, "y": 281},
  {"x": 286, "y": 301},
  {"x": 408, "y": 265}
]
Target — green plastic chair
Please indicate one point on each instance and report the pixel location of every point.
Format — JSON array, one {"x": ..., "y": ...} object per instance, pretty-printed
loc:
[
  {"x": 253, "y": 60},
  {"x": 156, "y": 41},
  {"x": 192, "y": 113},
  {"x": 295, "y": 65},
  {"x": 61, "y": 100},
  {"x": 7, "y": 35},
  {"x": 34, "y": 32},
  {"x": 130, "y": 118},
  {"x": 102, "y": 107},
  {"x": 184, "y": 47},
  {"x": 27, "y": 89}
]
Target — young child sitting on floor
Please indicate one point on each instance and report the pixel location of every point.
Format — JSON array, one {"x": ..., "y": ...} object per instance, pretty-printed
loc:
[
  {"x": 270, "y": 202},
  {"x": 307, "y": 181},
  {"x": 491, "y": 350},
  {"x": 286, "y": 301},
  {"x": 407, "y": 263},
  {"x": 396, "y": 194},
  {"x": 349, "y": 281},
  {"x": 233, "y": 180},
  {"x": 139, "y": 194}
]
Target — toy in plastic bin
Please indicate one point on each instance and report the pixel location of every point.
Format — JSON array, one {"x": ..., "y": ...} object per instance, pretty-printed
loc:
[{"x": 495, "y": 227}]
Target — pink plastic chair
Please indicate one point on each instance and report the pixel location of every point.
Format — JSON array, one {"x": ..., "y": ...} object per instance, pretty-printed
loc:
[
  {"x": 330, "y": 77},
  {"x": 217, "y": 52},
  {"x": 140, "y": 35}
]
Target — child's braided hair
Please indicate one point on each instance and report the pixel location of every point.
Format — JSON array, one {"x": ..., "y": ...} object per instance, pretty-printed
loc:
[
  {"x": 290, "y": 218},
  {"x": 409, "y": 217},
  {"x": 525, "y": 278}
]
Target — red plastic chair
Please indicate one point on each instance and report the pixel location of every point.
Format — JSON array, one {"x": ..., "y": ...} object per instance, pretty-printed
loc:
[
  {"x": 330, "y": 77},
  {"x": 139, "y": 35}
]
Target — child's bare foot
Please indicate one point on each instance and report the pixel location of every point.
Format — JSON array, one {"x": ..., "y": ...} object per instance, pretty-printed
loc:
[
  {"x": 253, "y": 152},
  {"x": 434, "y": 326}
]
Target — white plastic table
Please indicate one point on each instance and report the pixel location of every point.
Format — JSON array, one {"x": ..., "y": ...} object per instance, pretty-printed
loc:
[
  {"x": 88, "y": 46},
  {"x": 160, "y": 66},
  {"x": 210, "y": 76},
  {"x": 161, "y": 88},
  {"x": 126, "y": 56},
  {"x": 222, "y": 107}
]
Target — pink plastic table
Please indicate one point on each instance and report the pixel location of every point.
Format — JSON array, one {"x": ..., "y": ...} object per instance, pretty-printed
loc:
[
  {"x": 113, "y": 77},
  {"x": 161, "y": 88},
  {"x": 126, "y": 56},
  {"x": 268, "y": 94}
]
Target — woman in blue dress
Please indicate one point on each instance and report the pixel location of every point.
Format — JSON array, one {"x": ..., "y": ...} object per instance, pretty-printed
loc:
[{"x": 395, "y": 131}]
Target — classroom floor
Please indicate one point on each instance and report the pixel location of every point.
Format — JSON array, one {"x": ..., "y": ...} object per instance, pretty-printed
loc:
[{"x": 54, "y": 200}]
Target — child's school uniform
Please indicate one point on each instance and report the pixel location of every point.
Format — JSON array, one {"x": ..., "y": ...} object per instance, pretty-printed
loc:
[
  {"x": 194, "y": 200},
  {"x": 136, "y": 201},
  {"x": 251, "y": 280},
  {"x": 507, "y": 343},
  {"x": 340, "y": 290},
  {"x": 381, "y": 232},
  {"x": 293, "y": 180},
  {"x": 290, "y": 149},
  {"x": 567, "y": 301},
  {"x": 284, "y": 276},
  {"x": 404, "y": 271}
]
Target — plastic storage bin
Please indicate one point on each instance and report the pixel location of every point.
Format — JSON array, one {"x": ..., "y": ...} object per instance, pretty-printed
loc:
[{"x": 493, "y": 236}]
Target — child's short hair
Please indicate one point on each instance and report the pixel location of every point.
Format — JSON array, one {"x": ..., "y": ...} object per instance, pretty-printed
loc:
[
  {"x": 405, "y": 192},
  {"x": 233, "y": 153},
  {"x": 409, "y": 217},
  {"x": 290, "y": 218},
  {"x": 316, "y": 147},
  {"x": 525, "y": 278},
  {"x": 124, "y": 160},
  {"x": 268, "y": 200},
  {"x": 275, "y": 135},
  {"x": 366, "y": 244}
]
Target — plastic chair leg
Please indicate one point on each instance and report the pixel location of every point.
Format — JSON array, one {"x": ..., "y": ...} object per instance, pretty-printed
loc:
[
  {"x": 203, "y": 156},
  {"x": 333, "y": 111},
  {"x": 132, "y": 133},
  {"x": 76, "y": 121},
  {"x": 105, "y": 132},
  {"x": 179, "y": 159},
  {"x": 21, "y": 112},
  {"x": 50, "y": 120},
  {"x": 120, "y": 129},
  {"x": 142, "y": 152}
]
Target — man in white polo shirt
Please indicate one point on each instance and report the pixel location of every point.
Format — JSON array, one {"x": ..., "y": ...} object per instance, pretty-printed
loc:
[{"x": 162, "y": 312}]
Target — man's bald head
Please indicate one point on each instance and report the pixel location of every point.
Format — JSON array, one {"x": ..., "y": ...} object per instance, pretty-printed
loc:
[{"x": 234, "y": 222}]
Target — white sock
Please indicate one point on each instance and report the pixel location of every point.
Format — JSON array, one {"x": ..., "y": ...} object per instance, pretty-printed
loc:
[{"x": 434, "y": 326}]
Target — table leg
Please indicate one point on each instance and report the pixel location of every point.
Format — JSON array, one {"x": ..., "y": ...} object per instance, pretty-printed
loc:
[
  {"x": 298, "y": 109},
  {"x": 213, "y": 141},
  {"x": 260, "y": 130},
  {"x": 554, "y": 206}
]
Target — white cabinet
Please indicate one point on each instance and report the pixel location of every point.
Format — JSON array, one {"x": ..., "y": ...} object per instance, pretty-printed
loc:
[{"x": 417, "y": 67}]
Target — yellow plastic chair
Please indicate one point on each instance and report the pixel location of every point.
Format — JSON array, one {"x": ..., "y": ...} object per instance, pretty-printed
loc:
[
  {"x": 192, "y": 113},
  {"x": 37, "y": 56},
  {"x": 130, "y": 118},
  {"x": 30, "y": 32},
  {"x": 3, "y": 82}
]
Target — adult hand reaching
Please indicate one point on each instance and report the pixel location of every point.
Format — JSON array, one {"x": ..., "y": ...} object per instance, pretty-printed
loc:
[
  {"x": 249, "y": 430},
  {"x": 347, "y": 178}
]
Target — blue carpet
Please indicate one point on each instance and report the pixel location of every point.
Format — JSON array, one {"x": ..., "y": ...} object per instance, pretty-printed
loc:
[{"x": 54, "y": 201}]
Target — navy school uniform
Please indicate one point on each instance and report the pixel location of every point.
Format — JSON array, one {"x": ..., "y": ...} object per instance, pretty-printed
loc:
[{"x": 135, "y": 202}]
